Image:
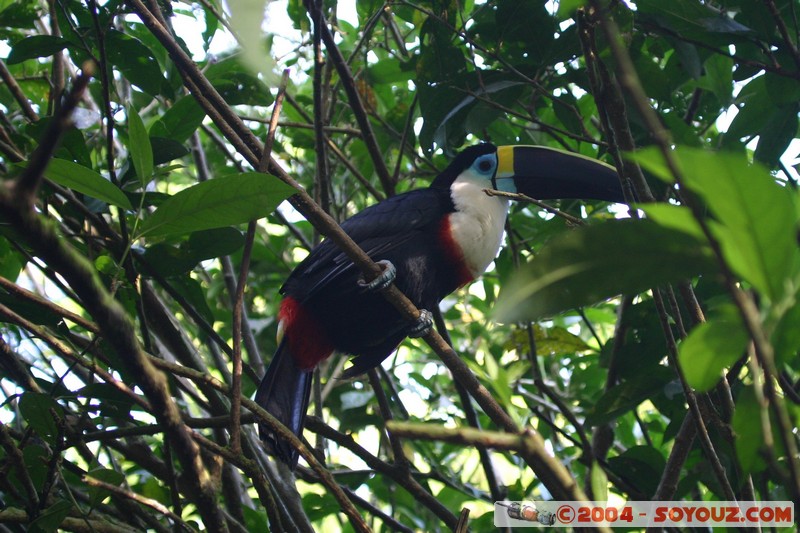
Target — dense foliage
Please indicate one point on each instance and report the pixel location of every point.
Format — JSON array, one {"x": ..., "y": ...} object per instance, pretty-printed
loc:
[{"x": 653, "y": 352}]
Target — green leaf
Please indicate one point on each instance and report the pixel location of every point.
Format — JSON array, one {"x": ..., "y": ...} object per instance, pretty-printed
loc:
[
  {"x": 757, "y": 215},
  {"x": 169, "y": 260},
  {"x": 567, "y": 7},
  {"x": 757, "y": 108},
  {"x": 112, "y": 477},
  {"x": 238, "y": 84},
  {"x": 180, "y": 121},
  {"x": 39, "y": 411},
  {"x": 85, "y": 181},
  {"x": 255, "y": 520},
  {"x": 141, "y": 151},
  {"x": 212, "y": 23},
  {"x": 643, "y": 466},
  {"x": 552, "y": 341},
  {"x": 318, "y": 506},
  {"x": 216, "y": 203},
  {"x": 24, "y": 307},
  {"x": 11, "y": 262},
  {"x": 782, "y": 90},
  {"x": 19, "y": 14},
  {"x": 675, "y": 217},
  {"x": 112, "y": 402},
  {"x": 389, "y": 71},
  {"x": 777, "y": 134},
  {"x": 786, "y": 337},
  {"x": 691, "y": 19},
  {"x": 599, "y": 483},
  {"x": 36, "y": 46},
  {"x": 36, "y": 459},
  {"x": 596, "y": 262},
  {"x": 747, "y": 428},
  {"x": 137, "y": 63},
  {"x": 709, "y": 348},
  {"x": 50, "y": 519},
  {"x": 166, "y": 150},
  {"x": 246, "y": 20},
  {"x": 719, "y": 78},
  {"x": 628, "y": 394}
]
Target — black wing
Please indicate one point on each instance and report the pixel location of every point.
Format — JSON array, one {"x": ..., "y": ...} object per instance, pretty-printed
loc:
[{"x": 377, "y": 229}]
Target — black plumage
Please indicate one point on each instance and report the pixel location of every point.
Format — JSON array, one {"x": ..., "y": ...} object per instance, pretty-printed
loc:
[{"x": 405, "y": 230}]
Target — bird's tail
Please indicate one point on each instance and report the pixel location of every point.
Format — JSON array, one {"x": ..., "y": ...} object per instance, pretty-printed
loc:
[{"x": 284, "y": 392}]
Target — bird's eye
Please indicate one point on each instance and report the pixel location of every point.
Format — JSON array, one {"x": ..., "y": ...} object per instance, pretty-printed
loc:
[{"x": 485, "y": 164}]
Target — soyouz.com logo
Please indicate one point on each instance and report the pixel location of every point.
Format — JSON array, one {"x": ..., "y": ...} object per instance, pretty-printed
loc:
[{"x": 644, "y": 514}]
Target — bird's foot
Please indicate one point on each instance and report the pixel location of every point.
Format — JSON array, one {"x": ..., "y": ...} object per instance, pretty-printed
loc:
[
  {"x": 422, "y": 326},
  {"x": 383, "y": 280}
]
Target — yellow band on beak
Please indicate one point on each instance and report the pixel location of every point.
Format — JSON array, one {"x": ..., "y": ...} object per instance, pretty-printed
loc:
[{"x": 505, "y": 161}]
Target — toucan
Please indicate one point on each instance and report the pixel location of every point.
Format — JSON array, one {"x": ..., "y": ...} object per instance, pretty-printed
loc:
[{"x": 430, "y": 242}]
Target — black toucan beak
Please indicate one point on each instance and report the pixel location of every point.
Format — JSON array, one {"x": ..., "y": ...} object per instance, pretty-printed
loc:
[{"x": 547, "y": 174}]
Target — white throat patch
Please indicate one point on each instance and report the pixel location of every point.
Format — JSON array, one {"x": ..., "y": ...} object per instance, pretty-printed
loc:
[{"x": 478, "y": 222}]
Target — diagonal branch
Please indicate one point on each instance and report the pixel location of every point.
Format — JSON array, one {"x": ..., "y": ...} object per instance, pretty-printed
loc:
[
  {"x": 28, "y": 183},
  {"x": 138, "y": 498},
  {"x": 16, "y": 92},
  {"x": 783, "y": 30}
]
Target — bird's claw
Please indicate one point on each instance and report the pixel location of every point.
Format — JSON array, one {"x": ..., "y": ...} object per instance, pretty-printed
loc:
[
  {"x": 383, "y": 280},
  {"x": 422, "y": 326}
]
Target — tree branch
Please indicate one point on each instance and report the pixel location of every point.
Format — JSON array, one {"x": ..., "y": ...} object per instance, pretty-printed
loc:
[
  {"x": 16, "y": 92},
  {"x": 138, "y": 498},
  {"x": 28, "y": 183}
]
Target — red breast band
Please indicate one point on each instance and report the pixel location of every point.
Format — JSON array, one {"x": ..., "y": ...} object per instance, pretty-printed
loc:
[{"x": 452, "y": 251}]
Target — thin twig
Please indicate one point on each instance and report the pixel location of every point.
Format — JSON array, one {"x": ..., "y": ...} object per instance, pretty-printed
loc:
[
  {"x": 238, "y": 306},
  {"x": 11, "y": 515},
  {"x": 306, "y": 126},
  {"x": 30, "y": 179},
  {"x": 322, "y": 174},
  {"x": 783, "y": 30},
  {"x": 11, "y": 152},
  {"x": 677, "y": 458},
  {"x": 407, "y": 129},
  {"x": 14, "y": 455},
  {"x": 264, "y": 162},
  {"x": 400, "y": 458},
  {"x": 465, "y": 436},
  {"x": 738, "y": 59},
  {"x": 524, "y": 198},
  {"x": 68, "y": 354},
  {"x": 16, "y": 92},
  {"x": 238, "y": 303},
  {"x": 138, "y": 498},
  {"x": 18, "y": 292},
  {"x": 401, "y": 476}
]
